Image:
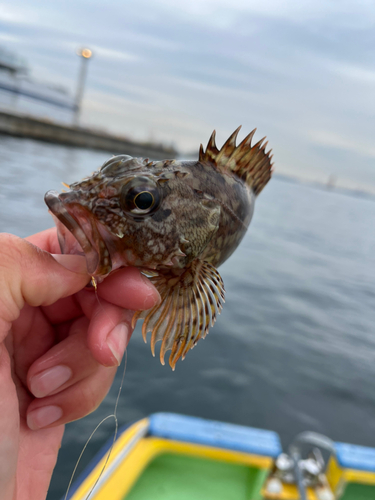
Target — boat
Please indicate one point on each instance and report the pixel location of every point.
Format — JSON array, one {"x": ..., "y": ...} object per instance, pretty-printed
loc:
[{"x": 167, "y": 456}]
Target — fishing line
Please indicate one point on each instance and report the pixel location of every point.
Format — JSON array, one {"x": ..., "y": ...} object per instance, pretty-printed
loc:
[{"x": 113, "y": 415}]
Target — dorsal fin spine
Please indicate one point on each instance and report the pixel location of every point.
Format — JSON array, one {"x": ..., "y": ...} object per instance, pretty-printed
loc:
[
  {"x": 250, "y": 163},
  {"x": 201, "y": 152}
]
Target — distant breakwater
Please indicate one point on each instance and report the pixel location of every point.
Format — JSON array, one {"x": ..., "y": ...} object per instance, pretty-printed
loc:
[{"x": 44, "y": 130}]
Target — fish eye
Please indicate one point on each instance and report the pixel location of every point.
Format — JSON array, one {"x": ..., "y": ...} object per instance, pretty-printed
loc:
[
  {"x": 140, "y": 196},
  {"x": 144, "y": 200}
]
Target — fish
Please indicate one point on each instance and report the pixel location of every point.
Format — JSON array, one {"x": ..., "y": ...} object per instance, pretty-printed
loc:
[{"x": 177, "y": 221}]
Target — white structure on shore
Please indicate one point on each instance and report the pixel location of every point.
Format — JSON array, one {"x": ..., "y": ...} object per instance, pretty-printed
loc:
[{"x": 21, "y": 94}]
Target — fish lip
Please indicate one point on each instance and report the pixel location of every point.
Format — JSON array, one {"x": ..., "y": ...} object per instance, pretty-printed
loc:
[{"x": 66, "y": 223}]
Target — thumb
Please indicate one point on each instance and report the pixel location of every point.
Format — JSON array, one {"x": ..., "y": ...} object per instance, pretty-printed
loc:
[{"x": 31, "y": 275}]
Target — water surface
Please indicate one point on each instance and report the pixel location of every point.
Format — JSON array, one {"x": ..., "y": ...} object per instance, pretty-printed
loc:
[{"x": 294, "y": 348}]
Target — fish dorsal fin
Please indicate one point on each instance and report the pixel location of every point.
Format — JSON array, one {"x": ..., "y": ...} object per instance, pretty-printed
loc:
[
  {"x": 250, "y": 163},
  {"x": 190, "y": 304}
]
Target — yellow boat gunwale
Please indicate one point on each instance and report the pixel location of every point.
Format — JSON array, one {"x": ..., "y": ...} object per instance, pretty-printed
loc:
[
  {"x": 113, "y": 476},
  {"x": 128, "y": 470}
]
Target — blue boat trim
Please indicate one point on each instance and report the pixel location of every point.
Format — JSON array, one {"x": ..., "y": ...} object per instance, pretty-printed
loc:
[
  {"x": 351, "y": 456},
  {"x": 212, "y": 433},
  {"x": 228, "y": 436}
]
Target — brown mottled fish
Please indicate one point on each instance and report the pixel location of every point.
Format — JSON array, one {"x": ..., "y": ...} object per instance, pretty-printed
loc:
[{"x": 177, "y": 221}]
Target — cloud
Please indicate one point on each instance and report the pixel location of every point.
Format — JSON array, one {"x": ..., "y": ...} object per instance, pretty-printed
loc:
[
  {"x": 334, "y": 140},
  {"x": 145, "y": 120},
  {"x": 302, "y": 72},
  {"x": 14, "y": 15},
  {"x": 5, "y": 37},
  {"x": 225, "y": 15},
  {"x": 114, "y": 55},
  {"x": 355, "y": 72}
]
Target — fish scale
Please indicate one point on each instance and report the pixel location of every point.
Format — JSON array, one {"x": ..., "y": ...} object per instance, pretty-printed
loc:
[{"x": 177, "y": 221}]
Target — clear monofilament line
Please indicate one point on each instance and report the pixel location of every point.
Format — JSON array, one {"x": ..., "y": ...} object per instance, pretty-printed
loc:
[{"x": 114, "y": 416}]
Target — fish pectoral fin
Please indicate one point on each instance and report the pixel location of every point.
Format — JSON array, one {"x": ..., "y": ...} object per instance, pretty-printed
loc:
[{"x": 191, "y": 300}]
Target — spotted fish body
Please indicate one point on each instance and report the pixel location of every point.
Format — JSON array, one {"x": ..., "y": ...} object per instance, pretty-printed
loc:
[{"x": 175, "y": 220}]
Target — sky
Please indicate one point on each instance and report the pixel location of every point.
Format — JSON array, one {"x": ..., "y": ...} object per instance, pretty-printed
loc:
[{"x": 302, "y": 72}]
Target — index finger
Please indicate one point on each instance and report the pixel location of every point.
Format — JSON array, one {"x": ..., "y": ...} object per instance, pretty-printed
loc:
[{"x": 129, "y": 289}]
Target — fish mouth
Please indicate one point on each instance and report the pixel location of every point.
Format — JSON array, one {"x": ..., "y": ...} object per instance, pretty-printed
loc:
[{"x": 77, "y": 232}]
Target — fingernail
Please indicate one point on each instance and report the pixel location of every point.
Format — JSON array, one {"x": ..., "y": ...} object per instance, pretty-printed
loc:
[
  {"x": 154, "y": 297},
  {"x": 49, "y": 380},
  {"x": 117, "y": 340},
  {"x": 42, "y": 417},
  {"x": 75, "y": 263}
]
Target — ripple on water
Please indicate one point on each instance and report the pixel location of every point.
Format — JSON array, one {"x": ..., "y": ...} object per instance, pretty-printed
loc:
[{"x": 294, "y": 347}]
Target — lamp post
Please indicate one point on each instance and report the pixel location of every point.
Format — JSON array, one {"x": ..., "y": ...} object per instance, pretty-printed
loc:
[{"x": 85, "y": 54}]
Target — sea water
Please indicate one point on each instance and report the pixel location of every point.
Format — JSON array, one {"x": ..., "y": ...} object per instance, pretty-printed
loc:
[{"x": 294, "y": 348}]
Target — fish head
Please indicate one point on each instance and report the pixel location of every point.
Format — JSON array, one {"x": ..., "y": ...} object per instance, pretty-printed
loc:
[{"x": 134, "y": 212}]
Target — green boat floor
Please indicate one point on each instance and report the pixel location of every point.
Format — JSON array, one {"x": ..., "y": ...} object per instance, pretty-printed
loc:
[
  {"x": 355, "y": 491},
  {"x": 177, "y": 477}
]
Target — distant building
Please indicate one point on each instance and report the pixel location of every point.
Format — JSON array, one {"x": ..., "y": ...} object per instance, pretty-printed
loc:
[{"x": 21, "y": 94}]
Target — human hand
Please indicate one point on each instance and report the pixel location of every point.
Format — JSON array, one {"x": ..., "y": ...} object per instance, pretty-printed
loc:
[{"x": 60, "y": 346}]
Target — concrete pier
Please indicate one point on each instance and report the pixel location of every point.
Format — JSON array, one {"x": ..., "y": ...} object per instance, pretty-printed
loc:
[{"x": 43, "y": 130}]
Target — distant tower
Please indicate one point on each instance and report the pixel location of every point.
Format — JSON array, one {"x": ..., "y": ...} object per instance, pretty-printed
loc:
[
  {"x": 331, "y": 183},
  {"x": 85, "y": 55}
]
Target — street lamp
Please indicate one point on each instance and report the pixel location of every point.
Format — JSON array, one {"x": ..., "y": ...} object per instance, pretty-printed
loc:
[{"x": 85, "y": 55}]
